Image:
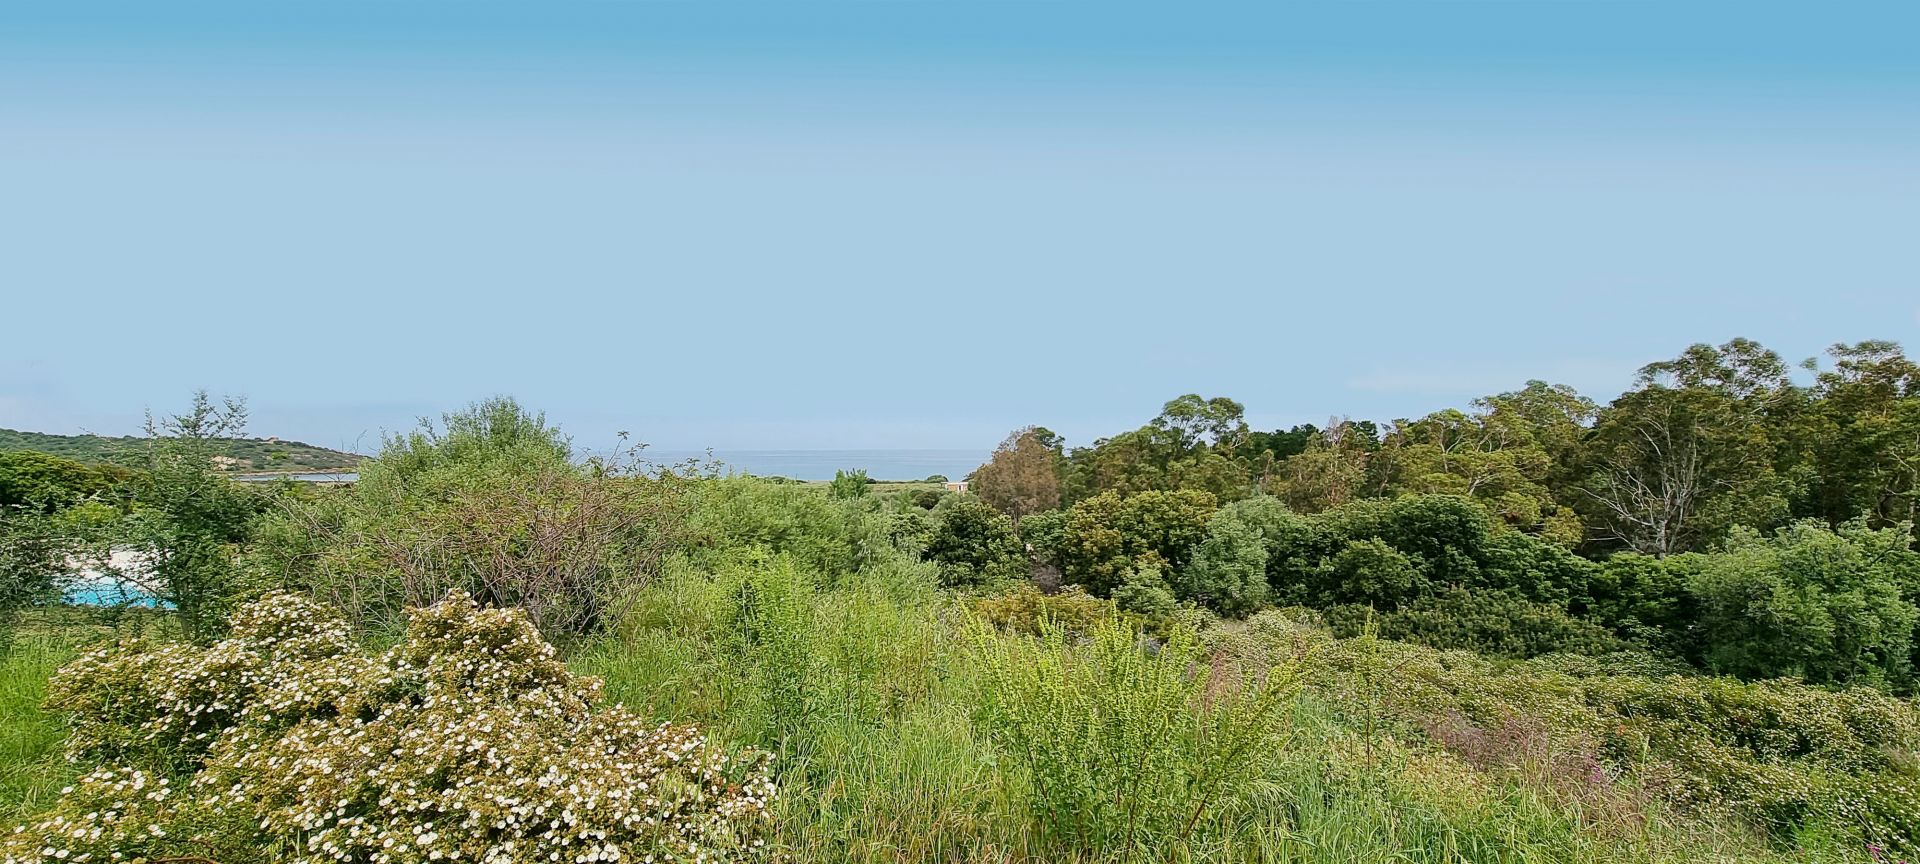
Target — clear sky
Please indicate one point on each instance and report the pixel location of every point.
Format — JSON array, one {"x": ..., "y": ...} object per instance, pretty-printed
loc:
[{"x": 921, "y": 223}]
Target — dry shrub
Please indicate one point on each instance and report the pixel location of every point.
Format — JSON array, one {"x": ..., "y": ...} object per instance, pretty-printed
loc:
[{"x": 1569, "y": 767}]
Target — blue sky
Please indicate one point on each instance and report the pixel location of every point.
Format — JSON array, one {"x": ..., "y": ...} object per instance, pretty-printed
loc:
[{"x": 923, "y": 223}]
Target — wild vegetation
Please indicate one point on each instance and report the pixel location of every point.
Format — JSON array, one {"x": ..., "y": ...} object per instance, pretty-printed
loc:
[
  {"x": 1679, "y": 627},
  {"x": 240, "y": 454}
]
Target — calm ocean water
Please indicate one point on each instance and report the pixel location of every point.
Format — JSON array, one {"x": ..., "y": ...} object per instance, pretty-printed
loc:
[
  {"x": 820, "y": 464},
  {"x": 796, "y": 464}
]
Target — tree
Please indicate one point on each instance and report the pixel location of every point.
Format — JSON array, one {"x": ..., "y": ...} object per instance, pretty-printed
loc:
[
  {"x": 1192, "y": 444},
  {"x": 1504, "y": 455},
  {"x": 1861, "y": 437},
  {"x": 1196, "y": 422},
  {"x": 1106, "y": 535},
  {"x": 849, "y": 484},
  {"x": 1689, "y": 452},
  {"x": 1023, "y": 475},
  {"x": 1272, "y": 448},
  {"x": 1833, "y": 607},
  {"x": 1329, "y": 472},
  {"x": 973, "y": 543},
  {"x": 1229, "y": 569},
  {"x": 192, "y": 520}
]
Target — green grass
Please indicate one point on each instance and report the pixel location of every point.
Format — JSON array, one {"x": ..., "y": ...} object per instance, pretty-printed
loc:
[
  {"x": 31, "y": 768},
  {"x": 883, "y": 760}
]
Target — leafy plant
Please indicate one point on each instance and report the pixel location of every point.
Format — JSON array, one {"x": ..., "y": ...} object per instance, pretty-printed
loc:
[{"x": 1126, "y": 751}]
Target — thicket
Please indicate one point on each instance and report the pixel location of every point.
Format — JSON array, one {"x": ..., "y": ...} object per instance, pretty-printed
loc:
[
  {"x": 492, "y": 503},
  {"x": 1626, "y": 732},
  {"x": 1377, "y": 642},
  {"x": 468, "y": 740}
]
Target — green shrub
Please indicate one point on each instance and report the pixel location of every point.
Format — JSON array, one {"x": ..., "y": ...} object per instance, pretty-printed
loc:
[
  {"x": 1371, "y": 572},
  {"x": 1046, "y": 533},
  {"x": 974, "y": 544},
  {"x": 466, "y": 741},
  {"x": 1104, "y": 534},
  {"x": 1385, "y": 553},
  {"x": 1497, "y": 624},
  {"x": 1831, "y": 607},
  {"x": 770, "y": 643},
  {"x": 849, "y": 484},
  {"x": 1783, "y": 757},
  {"x": 824, "y": 535},
  {"x": 1026, "y": 610},
  {"x": 1126, "y": 751},
  {"x": 1228, "y": 573},
  {"x": 493, "y": 506},
  {"x": 1145, "y": 592}
]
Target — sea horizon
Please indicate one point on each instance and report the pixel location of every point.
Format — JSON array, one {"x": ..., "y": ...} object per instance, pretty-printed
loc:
[{"x": 821, "y": 464}]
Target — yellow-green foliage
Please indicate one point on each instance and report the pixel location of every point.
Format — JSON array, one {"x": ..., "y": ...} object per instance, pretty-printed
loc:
[
  {"x": 1787, "y": 757},
  {"x": 1026, "y": 610},
  {"x": 467, "y": 741},
  {"x": 1127, "y": 750}
]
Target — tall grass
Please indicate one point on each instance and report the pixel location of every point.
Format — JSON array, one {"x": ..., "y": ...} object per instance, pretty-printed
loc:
[
  {"x": 875, "y": 691},
  {"x": 32, "y": 770},
  {"x": 860, "y": 688}
]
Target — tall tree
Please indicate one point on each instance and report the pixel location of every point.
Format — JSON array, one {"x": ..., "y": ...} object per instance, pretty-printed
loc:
[
  {"x": 1330, "y": 471},
  {"x": 1861, "y": 446},
  {"x": 1192, "y": 444},
  {"x": 1690, "y": 451},
  {"x": 1023, "y": 475},
  {"x": 1502, "y": 455}
]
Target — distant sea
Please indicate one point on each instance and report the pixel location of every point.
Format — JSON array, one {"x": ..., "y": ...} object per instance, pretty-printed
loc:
[
  {"x": 821, "y": 464},
  {"x": 794, "y": 464}
]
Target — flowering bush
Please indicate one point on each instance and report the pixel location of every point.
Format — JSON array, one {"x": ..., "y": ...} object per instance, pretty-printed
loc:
[{"x": 467, "y": 741}]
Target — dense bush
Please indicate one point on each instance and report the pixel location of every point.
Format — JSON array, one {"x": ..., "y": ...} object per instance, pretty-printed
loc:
[
  {"x": 47, "y": 482},
  {"x": 1788, "y": 758},
  {"x": 1228, "y": 573},
  {"x": 1832, "y": 607},
  {"x": 466, "y": 741},
  {"x": 492, "y": 505},
  {"x": 829, "y": 537},
  {"x": 1026, "y": 610},
  {"x": 973, "y": 543},
  {"x": 1495, "y": 623},
  {"x": 1104, "y": 535},
  {"x": 1650, "y": 600}
]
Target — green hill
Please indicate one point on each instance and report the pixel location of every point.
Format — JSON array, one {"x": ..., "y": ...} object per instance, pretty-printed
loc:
[{"x": 248, "y": 454}]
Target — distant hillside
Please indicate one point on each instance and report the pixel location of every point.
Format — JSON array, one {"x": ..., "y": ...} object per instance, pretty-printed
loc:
[{"x": 247, "y": 454}]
